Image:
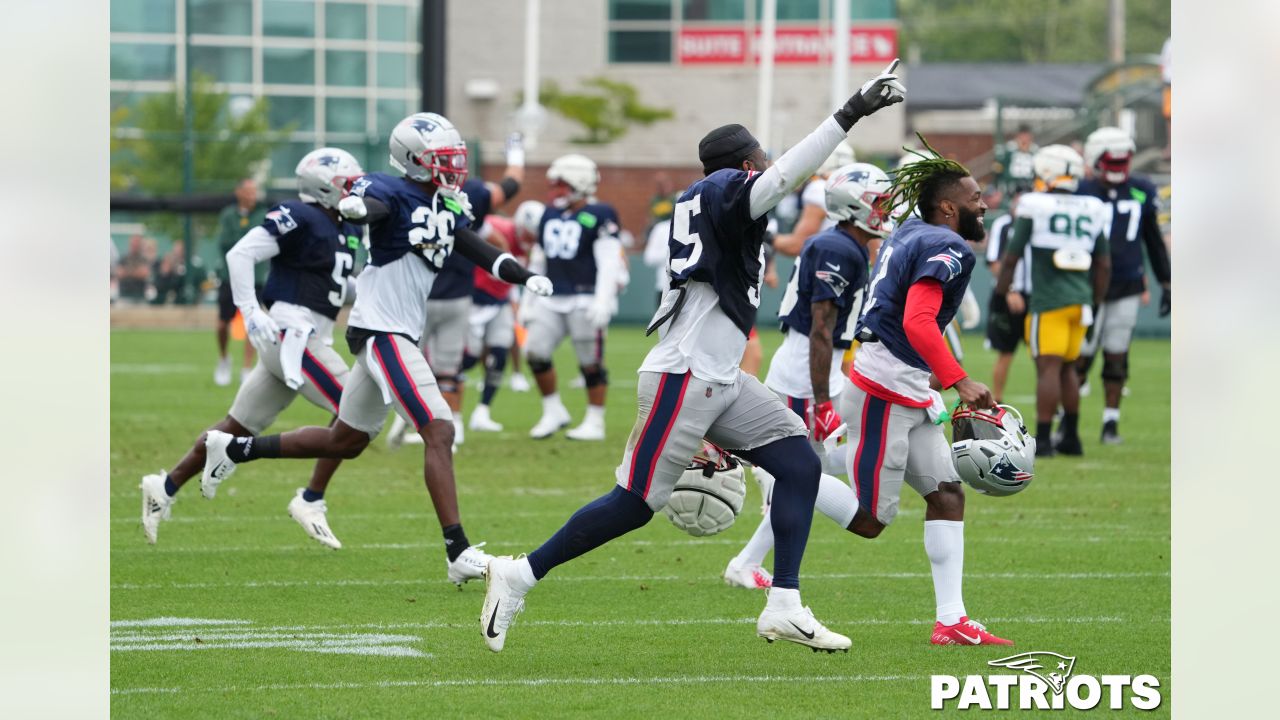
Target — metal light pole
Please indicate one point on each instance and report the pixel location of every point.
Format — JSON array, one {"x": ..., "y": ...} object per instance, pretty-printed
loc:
[
  {"x": 764, "y": 94},
  {"x": 188, "y": 153},
  {"x": 839, "y": 52}
]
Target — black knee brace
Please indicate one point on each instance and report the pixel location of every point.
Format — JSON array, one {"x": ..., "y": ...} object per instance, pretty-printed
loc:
[
  {"x": 538, "y": 366},
  {"x": 1114, "y": 369},
  {"x": 595, "y": 375}
]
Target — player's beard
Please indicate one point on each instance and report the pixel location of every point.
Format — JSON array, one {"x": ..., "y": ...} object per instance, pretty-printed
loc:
[{"x": 970, "y": 227}]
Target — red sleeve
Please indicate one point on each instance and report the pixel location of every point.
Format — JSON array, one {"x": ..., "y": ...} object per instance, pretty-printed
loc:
[{"x": 920, "y": 321}]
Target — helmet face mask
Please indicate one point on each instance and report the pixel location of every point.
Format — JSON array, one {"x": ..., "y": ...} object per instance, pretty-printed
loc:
[
  {"x": 1109, "y": 150},
  {"x": 1114, "y": 168},
  {"x": 448, "y": 166},
  {"x": 326, "y": 175}
]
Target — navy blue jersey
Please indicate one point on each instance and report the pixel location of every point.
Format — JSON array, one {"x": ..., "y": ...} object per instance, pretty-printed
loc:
[
  {"x": 916, "y": 250},
  {"x": 715, "y": 240},
  {"x": 457, "y": 277},
  {"x": 1135, "y": 212},
  {"x": 832, "y": 266},
  {"x": 420, "y": 219},
  {"x": 316, "y": 256},
  {"x": 568, "y": 239}
]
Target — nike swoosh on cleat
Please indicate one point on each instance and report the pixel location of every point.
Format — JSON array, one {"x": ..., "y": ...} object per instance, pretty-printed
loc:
[
  {"x": 493, "y": 617},
  {"x": 807, "y": 635},
  {"x": 976, "y": 640}
]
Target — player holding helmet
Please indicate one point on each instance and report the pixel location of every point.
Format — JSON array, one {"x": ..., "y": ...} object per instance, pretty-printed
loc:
[
  {"x": 415, "y": 222},
  {"x": 1134, "y": 205},
  {"x": 312, "y": 253}
]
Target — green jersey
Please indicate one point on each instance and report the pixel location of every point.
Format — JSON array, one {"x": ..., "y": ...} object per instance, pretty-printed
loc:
[
  {"x": 1065, "y": 232},
  {"x": 233, "y": 223}
]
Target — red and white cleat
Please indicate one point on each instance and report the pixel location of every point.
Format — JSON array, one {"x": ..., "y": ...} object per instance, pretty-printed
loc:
[
  {"x": 965, "y": 632},
  {"x": 751, "y": 577}
]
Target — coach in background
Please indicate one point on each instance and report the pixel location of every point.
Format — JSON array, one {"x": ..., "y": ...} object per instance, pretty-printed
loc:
[{"x": 233, "y": 222}]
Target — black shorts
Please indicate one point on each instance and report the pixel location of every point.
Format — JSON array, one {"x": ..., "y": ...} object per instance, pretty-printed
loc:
[
  {"x": 1004, "y": 329},
  {"x": 226, "y": 305}
]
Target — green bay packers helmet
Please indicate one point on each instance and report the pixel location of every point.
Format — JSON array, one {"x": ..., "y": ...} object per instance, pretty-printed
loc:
[{"x": 1058, "y": 167}]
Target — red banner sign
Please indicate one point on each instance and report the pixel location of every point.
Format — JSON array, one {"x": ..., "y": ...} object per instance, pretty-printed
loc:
[{"x": 798, "y": 45}]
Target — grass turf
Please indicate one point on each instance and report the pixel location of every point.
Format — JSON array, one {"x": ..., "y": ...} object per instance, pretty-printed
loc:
[{"x": 643, "y": 627}]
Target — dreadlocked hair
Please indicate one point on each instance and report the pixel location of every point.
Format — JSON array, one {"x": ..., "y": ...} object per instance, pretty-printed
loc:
[{"x": 919, "y": 183}]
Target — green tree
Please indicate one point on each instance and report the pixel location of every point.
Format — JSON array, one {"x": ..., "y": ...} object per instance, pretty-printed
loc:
[{"x": 605, "y": 109}]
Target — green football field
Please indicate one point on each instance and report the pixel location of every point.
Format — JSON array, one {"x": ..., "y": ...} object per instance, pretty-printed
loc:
[{"x": 237, "y": 613}]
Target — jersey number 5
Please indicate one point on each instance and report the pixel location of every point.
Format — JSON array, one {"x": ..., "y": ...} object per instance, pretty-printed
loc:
[
  {"x": 681, "y": 234},
  {"x": 342, "y": 263}
]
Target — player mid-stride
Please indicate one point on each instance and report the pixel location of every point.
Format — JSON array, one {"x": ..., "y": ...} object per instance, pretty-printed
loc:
[
  {"x": 691, "y": 386},
  {"x": 414, "y": 221}
]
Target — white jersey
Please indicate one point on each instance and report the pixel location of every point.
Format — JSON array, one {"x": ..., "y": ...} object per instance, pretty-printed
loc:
[
  {"x": 789, "y": 369},
  {"x": 702, "y": 339},
  {"x": 392, "y": 298},
  {"x": 815, "y": 193},
  {"x": 995, "y": 251}
]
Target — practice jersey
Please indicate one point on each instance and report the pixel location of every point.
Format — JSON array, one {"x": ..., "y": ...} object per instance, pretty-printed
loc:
[
  {"x": 406, "y": 251},
  {"x": 1135, "y": 209},
  {"x": 568, "y": 239},
  {"x": 489, "y": 289},
  {"x": 831, "y": 266},
  {"x": 997, "y": 239},
  {"x": 317, "y": 254},
  {"x": 716, "y": 265},
  {"x": 1065, "y": 230},
  {"x": 915, "y": 251},
  {"x": 455, "y": 279}
]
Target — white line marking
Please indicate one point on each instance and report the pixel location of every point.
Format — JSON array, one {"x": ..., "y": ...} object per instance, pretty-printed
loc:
[
  {"x": 188, "y": 634},
  {"x": 175, "y": 622},
  {"x": 151, "y": 369}
]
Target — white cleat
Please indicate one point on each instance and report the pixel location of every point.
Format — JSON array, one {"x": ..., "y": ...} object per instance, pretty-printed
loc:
[
  {"x": 550, "y": 423},
  {"x": 518, "y": 382},
  {"x": 481, "y": 422},
  {"x": 588, "y": 430},
  {"x": 459, "y": 431},
  {"x": 156, "y": 504},
  {"x": 800, "y": 626},
  {"x": 311, "y": 516},
  {"x": 396, "y": 434},
  {"x": 217, "y": 466},
  {"x": 751, "y": 577},
  {"x": 502, "y": 602},
  {"x": 222, "y": 373},
  {"x": 470, "y": 565}
]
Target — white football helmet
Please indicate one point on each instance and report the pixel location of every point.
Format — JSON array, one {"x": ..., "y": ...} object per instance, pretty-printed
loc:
[
  {"x": 843, "y": 155},
  {"x": 578, "y": 172},
  {"x": 427, "y": 147},
  {"x": 709, "y": 495},
  {"x": 528, "y": 217},
  {"x": 1109, "y": 150},
  {"x": 992, "y": 450},
  {"x": 325, "y": 176},
  {"x": 1058, "y": 166},
  {"x": 856, "y": 192}
]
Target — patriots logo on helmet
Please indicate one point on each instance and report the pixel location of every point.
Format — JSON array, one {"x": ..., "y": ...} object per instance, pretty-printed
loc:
[
  {"x": 1006, "y": 470},
  {"x": 1039, "y": 663},
  {"x": 952, "y": 264},
  {"x": 424, "y": 125},
  {"x": 327, "y": 161}
]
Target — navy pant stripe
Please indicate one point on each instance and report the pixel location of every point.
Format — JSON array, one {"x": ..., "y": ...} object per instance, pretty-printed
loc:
[
  {"x": 402, "y": 384},
  {"x": 666, "y": 406},
  {"x": 871, "y": 451},
  {"x": 319, "y": 375}
]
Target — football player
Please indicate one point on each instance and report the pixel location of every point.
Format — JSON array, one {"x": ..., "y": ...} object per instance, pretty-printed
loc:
[
  {"x": 1004, "y": 327},
  {"x": 415, "y": 221},
  {"x": 691, "y": 387},
  {"x": 916, "y": 289},
  {"x": 578, "y": 242},
  {"x": 818, "y": 314},
  {"x": 1134, "y": 204},
  {"x": 312, "y": 252},
  {"x": 1070, "y": 268},
  {"x": 444, "y": 339}
]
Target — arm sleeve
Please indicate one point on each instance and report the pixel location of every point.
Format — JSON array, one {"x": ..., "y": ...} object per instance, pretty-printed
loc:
[
  {"x": 497, "y": 263},
  {"x": 608, "y": 255},
  {"x": 794, "y": 166},
  {"x": 920, "y": 321},
  {"x": 655, "y": 249},
  {"x": 257, "y": 245}
]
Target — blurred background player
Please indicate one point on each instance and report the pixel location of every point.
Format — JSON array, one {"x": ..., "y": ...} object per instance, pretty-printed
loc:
[
  {"x": 444, "y": 339},
  {"x": 311, "y": 252},
  {"x": 1014, "y": 162},
  {"x": 1134, "y": 204},
  {"x": 578, "y": 239},
  {"x": 1006, "y": 314},
  {"x": 819, "y": 311},
  {"x": 690, "y": 386},
  {"x": 813, "y": 204},
  {"x": 233, "y": 222},
  {"x": 1065, "y": 236},
  {"x": 415, "y": 221}
]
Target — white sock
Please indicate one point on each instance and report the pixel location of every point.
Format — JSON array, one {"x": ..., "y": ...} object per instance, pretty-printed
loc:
[
  {"x": 551, "y": 402},
  {"x": 836, "y": 500},
  {"x": 1110, "y": 414},
  {"x": 836, "y": 461},
  {"x": 783, "y": 599},
  {"x": 944, "y": 544},
  {"x": 758, "y": 546},
  {"x": 523, "y": 579},
  {"x": 595, "y": 414}
]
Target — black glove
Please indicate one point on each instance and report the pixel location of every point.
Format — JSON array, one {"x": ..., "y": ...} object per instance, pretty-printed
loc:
[
  {"x": 1166, "y": 305},
  {"x": 878, "y": 92}
]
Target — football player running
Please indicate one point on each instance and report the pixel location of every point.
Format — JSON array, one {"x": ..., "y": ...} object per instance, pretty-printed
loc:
[
  {"x": 1134, "y": 209},
  {"x": 578, "y": 239},
  {"x": 1070, "y": 268},
  {"x": 916, "y": 289},
  {"x": 312, "y": 252},
  {"x": 415, "y": 221},
  {"x": 819, "y": 311},
  {"x": 691, "y": 387}
]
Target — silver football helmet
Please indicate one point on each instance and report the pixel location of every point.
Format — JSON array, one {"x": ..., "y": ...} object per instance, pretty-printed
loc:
[
  {"x": 427, "y": 147},
  {"x": 1058, "y": 167},
  {"x": 857, "y": 192},
  {"x": 325, "y": 176},
  {"x": 1109, "y": 150},
  {"x": 992, "y": 451},
  {"x": 528, "y": 217},
  {"x": 709, "y": 495},
  {"x": 576, "y": 171}
]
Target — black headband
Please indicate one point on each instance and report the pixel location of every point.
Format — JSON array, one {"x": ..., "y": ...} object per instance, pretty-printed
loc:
[{"x": 726, "y": 147}]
